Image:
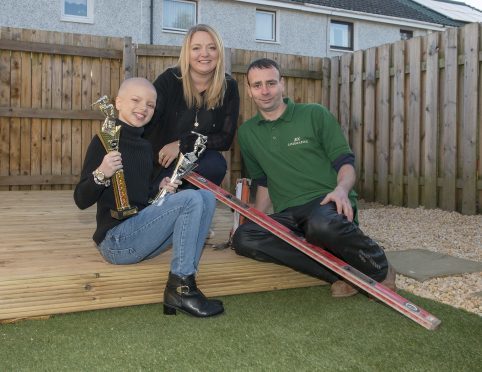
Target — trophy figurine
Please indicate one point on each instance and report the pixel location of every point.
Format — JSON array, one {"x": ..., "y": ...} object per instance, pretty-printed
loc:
[
  {"x": 109, "y": 136},
  {"x": 185, "y": 164}
]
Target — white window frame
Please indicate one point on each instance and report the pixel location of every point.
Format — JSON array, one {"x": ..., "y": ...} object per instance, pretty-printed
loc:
[
  {"x": 180, "y": 30},
  {"x": 80, "y": 19},
  {"x": 406, "y": 32},
  {"x": 351, "y": 27},
  {"x": 275, "y": 25}
]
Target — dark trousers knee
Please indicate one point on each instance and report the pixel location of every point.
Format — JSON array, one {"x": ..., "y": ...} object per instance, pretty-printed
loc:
[
  {"x": 211, "y": 165},
  {"x": 326, "y": 228},
  {"x": 253, "y": 241}
]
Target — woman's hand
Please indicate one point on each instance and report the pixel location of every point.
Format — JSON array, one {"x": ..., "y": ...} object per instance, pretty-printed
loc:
[
  {"x": 168, "y": 154},
  {"x": 111, "y": 163},
  {"x": 169, "y": 186}
]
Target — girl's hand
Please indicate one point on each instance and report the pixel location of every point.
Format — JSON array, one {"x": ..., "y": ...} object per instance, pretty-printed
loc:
[
  {"x": 170, "y": 187},
  {"x": 111, "y": 163}
]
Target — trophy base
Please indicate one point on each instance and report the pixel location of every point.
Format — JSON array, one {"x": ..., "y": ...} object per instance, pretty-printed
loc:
[{"x": 124, "y": 213}]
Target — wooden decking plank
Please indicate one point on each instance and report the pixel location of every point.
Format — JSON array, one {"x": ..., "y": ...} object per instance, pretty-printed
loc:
[
  {"x": 50, "y": 265},
  {"x": 72, "y": 293}
]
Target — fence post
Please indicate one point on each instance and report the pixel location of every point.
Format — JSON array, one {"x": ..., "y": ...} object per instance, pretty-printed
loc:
[
  {"x": 228, "y": 63},
  {"x": 334, "y": 86},
  {"x": 325, "y": 82},
  {"x": 449, "y": 125},
  {"x": 369, "y": 138},
  {"x": 382, "y": 132},
  {"x": 414, "y": 114},
  {"x": 469, "y": 129},
  {"x": 397, "y": 143},
  {"x": 128, "y": 58},
  {"x": 356, "y": 118},
  {"x": 344, "y": 104},
  {"x": 431, "y": 112}
]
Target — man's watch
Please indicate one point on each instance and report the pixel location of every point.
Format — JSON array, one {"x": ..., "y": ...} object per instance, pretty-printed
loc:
[{"x": 100, "y": 178}]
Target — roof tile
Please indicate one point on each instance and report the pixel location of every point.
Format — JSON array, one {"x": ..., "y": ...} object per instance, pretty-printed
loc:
[{"x": 406, "y": 9}]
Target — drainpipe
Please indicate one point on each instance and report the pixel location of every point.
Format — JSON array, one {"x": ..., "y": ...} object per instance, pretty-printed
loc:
[{"x": 151, "y": 23}]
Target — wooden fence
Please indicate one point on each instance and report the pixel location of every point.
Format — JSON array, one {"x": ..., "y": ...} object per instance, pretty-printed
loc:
[{"x": 411, "y": 110}]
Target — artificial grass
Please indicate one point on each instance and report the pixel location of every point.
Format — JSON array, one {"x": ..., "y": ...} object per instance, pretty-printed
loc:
[{"x": 290, "y": 330}]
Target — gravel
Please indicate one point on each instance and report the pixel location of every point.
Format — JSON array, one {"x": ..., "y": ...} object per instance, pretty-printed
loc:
[{"x": 398, "y": 228}]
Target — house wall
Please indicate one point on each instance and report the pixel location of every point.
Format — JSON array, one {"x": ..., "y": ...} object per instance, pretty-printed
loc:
[
  {"x": 125, "y": 18},
  {"x": 236, "y": 22},
  {"x": 300, "y": 32},
  {"x": 370, "y": 34}
]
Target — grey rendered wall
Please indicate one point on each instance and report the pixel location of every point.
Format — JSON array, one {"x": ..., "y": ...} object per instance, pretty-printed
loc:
[
  {"x": 111, "y": 17},
  {"x": 299, "y": 32},
  {"x": 370, "y": 34},
  {"x": 236, "y": 24}
]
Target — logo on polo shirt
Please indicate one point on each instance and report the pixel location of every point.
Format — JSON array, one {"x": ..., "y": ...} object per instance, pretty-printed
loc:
[{"x": 297, "y": 141}]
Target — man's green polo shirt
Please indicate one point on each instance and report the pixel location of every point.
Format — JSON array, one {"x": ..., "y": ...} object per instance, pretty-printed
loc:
[{"x": 295, "y": 152}]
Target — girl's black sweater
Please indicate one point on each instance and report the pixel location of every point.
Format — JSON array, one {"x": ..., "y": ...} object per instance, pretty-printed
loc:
[{"x": 137, "y": 165}]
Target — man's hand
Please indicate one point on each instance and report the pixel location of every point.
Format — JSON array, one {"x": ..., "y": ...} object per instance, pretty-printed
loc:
[
  {"x": 169, "y": 153},
  {"x": 340, "y": 197},
  {"x": 111, "y": 163},
  {"x": 345, "y": 181}
]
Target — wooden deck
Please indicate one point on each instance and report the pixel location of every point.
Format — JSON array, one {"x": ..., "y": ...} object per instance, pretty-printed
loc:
[{"x": 49, "y": 264}]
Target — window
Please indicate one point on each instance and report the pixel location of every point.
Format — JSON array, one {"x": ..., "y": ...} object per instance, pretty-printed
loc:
[
  {"x": 341, "y": 35},
  {"x": 265, "y": 25},
  {"x": 178, "y": 15},
  {"x": 406, "y": 34},
  {"x": 77, "y": 11}
]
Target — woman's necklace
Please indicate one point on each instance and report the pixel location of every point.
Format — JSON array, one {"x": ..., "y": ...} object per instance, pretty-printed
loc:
[{"x": 196, "y": 123}]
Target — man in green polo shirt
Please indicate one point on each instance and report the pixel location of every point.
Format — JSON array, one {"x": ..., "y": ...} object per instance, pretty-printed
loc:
[{"x": 303, "y": 167}]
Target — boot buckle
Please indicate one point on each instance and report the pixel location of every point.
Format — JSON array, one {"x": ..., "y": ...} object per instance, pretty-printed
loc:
[{"x": 182, "y": 289}]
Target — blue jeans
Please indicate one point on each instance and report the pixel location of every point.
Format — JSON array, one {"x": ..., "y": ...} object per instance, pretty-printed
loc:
[{"x": 183, "y": 220}]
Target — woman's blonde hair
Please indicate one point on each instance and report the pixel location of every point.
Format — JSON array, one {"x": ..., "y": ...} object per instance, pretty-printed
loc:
[{"x": 214, "y": 95}]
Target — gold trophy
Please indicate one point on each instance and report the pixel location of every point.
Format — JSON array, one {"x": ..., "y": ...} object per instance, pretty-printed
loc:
[
  {"x": 185, "y": 164},
  {"x": 109, "y": 136}
]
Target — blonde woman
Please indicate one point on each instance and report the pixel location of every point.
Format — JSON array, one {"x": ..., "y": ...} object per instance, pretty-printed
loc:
[{"x": 195, "y": 95}]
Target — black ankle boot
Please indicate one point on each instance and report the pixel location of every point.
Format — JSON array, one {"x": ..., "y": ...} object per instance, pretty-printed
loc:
[{"x": 182, "y": 294}]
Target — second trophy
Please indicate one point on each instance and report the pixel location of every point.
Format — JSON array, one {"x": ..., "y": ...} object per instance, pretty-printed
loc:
[{"x": 185, "y": 163}]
